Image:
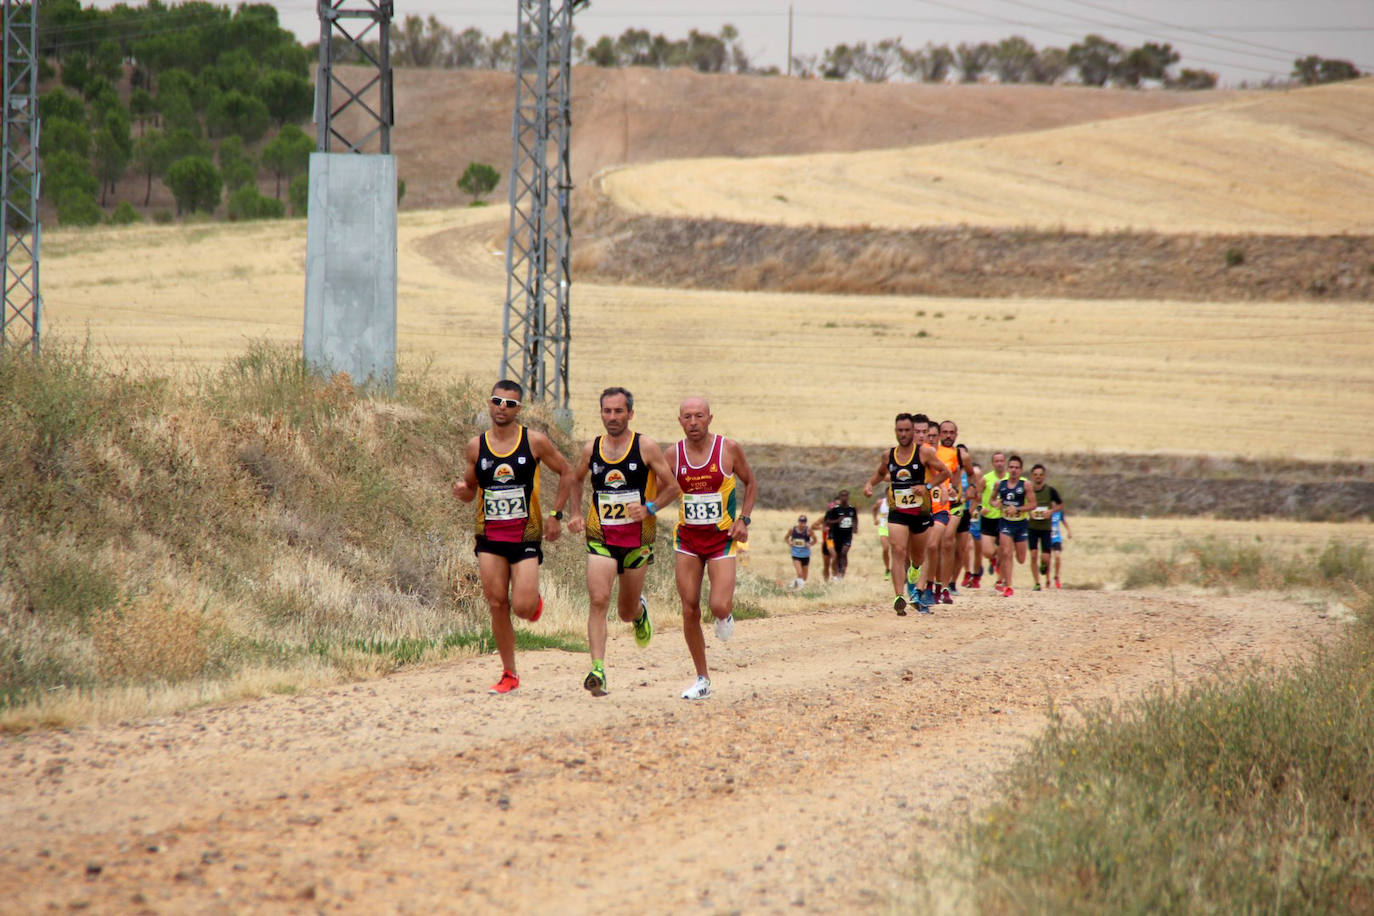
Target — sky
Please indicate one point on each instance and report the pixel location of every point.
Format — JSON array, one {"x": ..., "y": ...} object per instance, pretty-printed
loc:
[{"x": 1241, "y": 40}]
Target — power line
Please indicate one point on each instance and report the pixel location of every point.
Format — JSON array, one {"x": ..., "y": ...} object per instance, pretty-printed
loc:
[
  {"x": 1172, "y": 25},
  {"x": 1267, "y": 71}
]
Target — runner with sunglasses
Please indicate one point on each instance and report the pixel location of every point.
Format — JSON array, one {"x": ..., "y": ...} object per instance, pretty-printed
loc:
[
  {"x": 502, "y": 474},
  {"x": 631, "y": 481}
]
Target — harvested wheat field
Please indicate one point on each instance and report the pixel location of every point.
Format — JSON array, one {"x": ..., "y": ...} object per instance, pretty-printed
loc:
[
  {"x": 1288, "y": 163},
  {"x": 1233, "y": 378}
]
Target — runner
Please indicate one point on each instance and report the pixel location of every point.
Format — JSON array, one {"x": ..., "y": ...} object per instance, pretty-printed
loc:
[
  {"x": 711, "y": 520},
  {"x": 1014, "y": 499},
  {"x": 880, "y": 522},
  {"x": 503, "y": 470},
  {"x": 630, "y": 483},
  {"x": 990, "y": 517},
  {"x": 909, "y": 468},
  {"x": 827, "y": 544},
  {"x": 974, "y": 571},
  {"x": 963, "y": 542},
  {"x": 799, "y": 539},
  {"x": 1056, "y": 543},
  {"x": 950, "y": 496},
  {"x": 843, "y": 521},
  {"x": 1040, "y": 527}
]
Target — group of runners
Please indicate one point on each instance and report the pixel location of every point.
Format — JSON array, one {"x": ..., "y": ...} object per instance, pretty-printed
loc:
[
  {"x": 941, "y": 516},
  {"x": 632, "y": 480}
]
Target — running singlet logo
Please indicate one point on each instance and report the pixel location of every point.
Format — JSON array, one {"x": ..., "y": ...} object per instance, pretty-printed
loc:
[{"x": 703, "y": 508}]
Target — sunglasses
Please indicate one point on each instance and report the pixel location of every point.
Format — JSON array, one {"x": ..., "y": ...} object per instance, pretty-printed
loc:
[{"x": 504, "y": 402}]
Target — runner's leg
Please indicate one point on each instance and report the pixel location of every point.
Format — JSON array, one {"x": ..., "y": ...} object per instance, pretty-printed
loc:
[{"x": 687, "y": 571}]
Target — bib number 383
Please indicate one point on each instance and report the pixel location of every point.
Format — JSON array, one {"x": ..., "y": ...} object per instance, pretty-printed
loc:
[{"x": 703, "y": 508}]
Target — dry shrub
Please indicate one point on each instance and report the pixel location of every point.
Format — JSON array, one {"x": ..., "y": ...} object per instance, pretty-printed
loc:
[{"x": 151, "y": 638}]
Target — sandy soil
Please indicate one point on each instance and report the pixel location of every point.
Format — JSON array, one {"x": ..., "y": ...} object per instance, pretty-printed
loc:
[{"x": 838, "y": 743}]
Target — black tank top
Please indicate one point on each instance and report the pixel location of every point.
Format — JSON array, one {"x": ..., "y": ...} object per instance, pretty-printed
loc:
[{"x": 508, "y": 506}]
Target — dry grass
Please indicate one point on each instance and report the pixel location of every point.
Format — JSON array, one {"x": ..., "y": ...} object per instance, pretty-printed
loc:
[{"x": 1280, "y": 163}]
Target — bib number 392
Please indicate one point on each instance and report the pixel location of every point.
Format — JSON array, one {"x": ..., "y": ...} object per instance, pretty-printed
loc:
[
  {"x": 504, "y": 505},
  {"x": 703, "y": 508}
]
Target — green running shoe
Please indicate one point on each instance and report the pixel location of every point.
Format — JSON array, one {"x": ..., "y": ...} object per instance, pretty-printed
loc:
[
  {"x": 595, "y": 682},
  {"x": 913, "y": 575},
  {"x": 644, "y": 627}
]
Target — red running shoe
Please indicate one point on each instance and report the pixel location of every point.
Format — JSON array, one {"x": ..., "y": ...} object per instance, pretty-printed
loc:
[
  {"x": 1006, "y": 592},
  {"x": 945, "y": 597},
  {"x": 508, "y": 682},
  {"x": 976, "y": 581},
  {"x": 538, "y": 612},
  {"x": 1056, "y": 584},
  {"x": 968, "y": 577}
]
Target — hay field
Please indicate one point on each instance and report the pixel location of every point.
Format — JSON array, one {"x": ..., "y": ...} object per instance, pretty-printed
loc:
[
  {"x": 1235, "y": 378},
  {"x": 1278, "y": 162}
]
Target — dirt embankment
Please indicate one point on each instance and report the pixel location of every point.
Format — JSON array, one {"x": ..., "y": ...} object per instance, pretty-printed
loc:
[
  {"x": 838, "y": 744},
  {"x": 968, "y": 262},
  {"x": 1097, "y": 484}
]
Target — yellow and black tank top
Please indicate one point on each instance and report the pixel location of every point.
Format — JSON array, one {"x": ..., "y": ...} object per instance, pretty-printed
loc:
[
  {"x": 906, "y": 483},
  {"x": 617, "y": 484},
  {"x": 508, "y": 503}
]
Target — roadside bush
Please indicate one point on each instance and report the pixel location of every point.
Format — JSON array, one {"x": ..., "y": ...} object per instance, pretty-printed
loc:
[
  {"x": 77, "y": 207},
  {"x": 247, "y": 203},
  {"x": 124, "y": 215}
]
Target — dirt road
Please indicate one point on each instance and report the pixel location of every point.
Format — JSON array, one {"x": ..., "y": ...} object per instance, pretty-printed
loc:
[{"x": 837, "y": 743}]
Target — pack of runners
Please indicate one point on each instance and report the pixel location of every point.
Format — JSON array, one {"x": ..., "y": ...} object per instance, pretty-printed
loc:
[
  {"x": 939, "y": 515},
  {"x": 632, "y": 479},
  {"x": 944, "y": 516}
]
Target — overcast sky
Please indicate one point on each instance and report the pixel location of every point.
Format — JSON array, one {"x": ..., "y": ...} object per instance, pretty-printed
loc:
[{"x": 1239, "y": 39}]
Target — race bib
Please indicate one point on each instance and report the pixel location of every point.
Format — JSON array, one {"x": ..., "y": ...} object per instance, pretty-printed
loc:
[
  {"x": 1012, "y": 513},
  {"x": 908, "y": 497},
  {"x": 846, "y": 522},
  {"x": 703, "y": 508},
  {"x": 1040, "y": 513},
  {"x": 505, "y": 505},
  {"x": 612, "y": 508},
  {"x": 799, "y": 542}
]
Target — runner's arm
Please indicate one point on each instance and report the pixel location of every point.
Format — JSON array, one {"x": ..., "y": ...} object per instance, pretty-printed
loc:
[
  {"x": 739, "y": 531},
  {"x": 877, "y": 477},
  {"x": 576, "y": 523},
  {"x": 668, "y": 489},
  {"x": 930, "y": 459},
  {"x": 553, "y": 459},
  {"x": 466, "y": 488}
]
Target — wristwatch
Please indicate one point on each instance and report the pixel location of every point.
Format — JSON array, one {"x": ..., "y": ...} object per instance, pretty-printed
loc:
[
  {"x": 745, "y": 519},
  {"x": 556, "y": 515}
]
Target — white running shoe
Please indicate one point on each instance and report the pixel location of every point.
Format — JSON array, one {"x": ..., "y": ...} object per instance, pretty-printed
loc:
[
  {"x": 725, "y": 628},
  {"x": 700, "y": 689}
]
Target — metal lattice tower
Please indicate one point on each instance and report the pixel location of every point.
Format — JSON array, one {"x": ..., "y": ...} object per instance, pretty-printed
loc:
[
  {"x": 19, "y": 177},
  {"x": 377, "y": 121},
  {"x": 535, "y": 327}
]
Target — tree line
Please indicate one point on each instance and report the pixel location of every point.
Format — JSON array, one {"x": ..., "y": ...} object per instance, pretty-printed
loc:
[
  {"x": 1093, "y": 61},
  {"x": 199, "y": 97}
]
